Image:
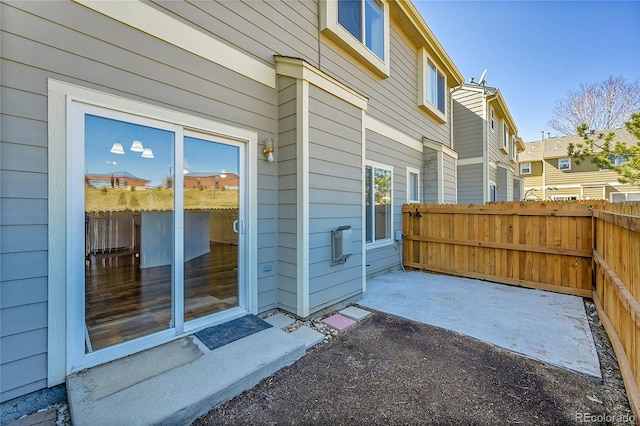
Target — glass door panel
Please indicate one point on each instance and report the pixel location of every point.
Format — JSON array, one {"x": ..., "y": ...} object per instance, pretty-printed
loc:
[
  {"x": 129, "y": 247},
  {"x": 211, "y": 225}
]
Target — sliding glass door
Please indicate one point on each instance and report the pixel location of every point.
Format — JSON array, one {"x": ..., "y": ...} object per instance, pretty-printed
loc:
[{"x": 163, "y": 226}]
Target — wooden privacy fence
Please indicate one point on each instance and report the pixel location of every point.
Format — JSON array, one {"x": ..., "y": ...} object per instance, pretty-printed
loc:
[
  {"x": 586, "y": 248},
  {"x": 616, "y": 260},
  {"x": 545, "y": 245}
]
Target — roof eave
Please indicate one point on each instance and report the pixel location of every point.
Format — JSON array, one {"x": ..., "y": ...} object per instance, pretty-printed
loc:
[{"x": 429, "y": 39}]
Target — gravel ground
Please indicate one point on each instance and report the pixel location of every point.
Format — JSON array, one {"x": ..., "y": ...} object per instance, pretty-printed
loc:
[
  {"x": 393, "y": 371},
  {"x": 388, "y": 370}
]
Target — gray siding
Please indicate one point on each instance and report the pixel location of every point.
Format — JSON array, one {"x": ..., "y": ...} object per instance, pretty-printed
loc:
[
  {"x": 69, "y": 42},
  {"x": 430, "y": 176},
  {"x": 79, "y": 46},
  {"x": 449, "y": 180},
  {"x": 335, "y": 197},
  {"x": 467, "y": 122},
  {"x": 383, "y": 150},
  {"x": 502, "y": 184},
  {"x": 470, "y": 184},
  {"x": 287, "y": 195},
  {"x": 392, "y": 100}
]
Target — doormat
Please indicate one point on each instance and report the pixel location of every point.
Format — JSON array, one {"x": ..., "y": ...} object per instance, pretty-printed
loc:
[{"x": 219, "y": 335}]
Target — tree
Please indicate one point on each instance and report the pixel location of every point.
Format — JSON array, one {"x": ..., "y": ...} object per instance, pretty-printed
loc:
[
  {"x": 604, "y": 105},
  {"x": 607, "y": 154}
]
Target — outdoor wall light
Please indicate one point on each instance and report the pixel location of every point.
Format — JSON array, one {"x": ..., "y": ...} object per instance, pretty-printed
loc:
[
  {"x": 268, "y": 149},
  {"x": 117, "y": 148}
]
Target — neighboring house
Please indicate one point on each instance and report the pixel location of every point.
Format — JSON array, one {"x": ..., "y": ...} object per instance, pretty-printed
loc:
[
  {"x": 550, "y": 174},
  {"x": 486, "y": 140},
  {"x": 116, "y": 179},
  {"x": 211, "y": 181},
  {"x": 354, "y": 97}
]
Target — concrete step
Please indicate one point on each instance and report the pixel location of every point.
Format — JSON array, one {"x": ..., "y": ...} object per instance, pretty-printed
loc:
[{"x": 177, "y": 382}]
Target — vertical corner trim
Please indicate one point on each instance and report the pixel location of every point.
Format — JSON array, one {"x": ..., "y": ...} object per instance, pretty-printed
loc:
[{"x": 302, "y": 172}]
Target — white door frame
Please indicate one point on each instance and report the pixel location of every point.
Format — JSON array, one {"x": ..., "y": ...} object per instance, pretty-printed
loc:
[{"x": 67, "y": 103}]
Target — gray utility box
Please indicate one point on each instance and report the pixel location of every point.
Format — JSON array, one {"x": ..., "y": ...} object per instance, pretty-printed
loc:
[{"x": 341, "y": 244}]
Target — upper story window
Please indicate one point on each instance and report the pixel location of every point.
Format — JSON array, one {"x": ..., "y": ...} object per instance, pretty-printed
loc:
[
  {"x": 525, "y": 168},
  {"x": 364, "y": 19},
  {"x": 432, "y": 87},
  {"x": 361, "y": 27},
  {"x": 564, "y": 163},
  {"x": 505, "y": 137}
]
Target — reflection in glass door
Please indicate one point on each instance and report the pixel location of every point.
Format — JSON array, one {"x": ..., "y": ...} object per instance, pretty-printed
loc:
[
  {"x": 129, "y": 247},
  {"x": 211, "y": 226}
]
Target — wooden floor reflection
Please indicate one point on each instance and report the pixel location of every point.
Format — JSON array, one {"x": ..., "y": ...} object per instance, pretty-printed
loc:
[{"x": 124, "y": 302}]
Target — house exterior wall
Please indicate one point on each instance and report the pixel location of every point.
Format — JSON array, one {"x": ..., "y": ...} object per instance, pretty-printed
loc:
[
  {"x": 469, "y": 186},
  {"x": 335, "y": 188},
  {"x": 481, "y": 159},
  {"x": 583, "y": 181},
  {"x": 287, "y": 222},
  {"x": 36, "y": 46},
  {"x": 468, "y": 118},
  {"x": 71, "y": 42}
]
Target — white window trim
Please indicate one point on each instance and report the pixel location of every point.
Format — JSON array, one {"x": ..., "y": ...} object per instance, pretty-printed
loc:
[
  {"x": 522, "y": 172},
  {"x": 62, "y": 313},
  {"x": 413, "y": 170},
  {"x": 330, "y": 27},
  {"x": 387, "y": 241},
  {"x": 495, "y": 191},
  {"x": 626, "y": 195},
  {"x": 423, "y": 87},
  {"x": 504, "y": 146},
  {"x": 564, "y": 168}
]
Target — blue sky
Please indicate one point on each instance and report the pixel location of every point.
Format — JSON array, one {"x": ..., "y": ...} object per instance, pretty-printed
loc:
[{"x": 536, "y": 51}]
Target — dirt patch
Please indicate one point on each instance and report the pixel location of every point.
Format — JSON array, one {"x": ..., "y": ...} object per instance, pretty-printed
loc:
[{"x": 388, "y": 370}]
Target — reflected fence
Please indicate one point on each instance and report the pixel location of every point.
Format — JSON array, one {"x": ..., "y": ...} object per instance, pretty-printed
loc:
[{"x": 583, "y": 248}]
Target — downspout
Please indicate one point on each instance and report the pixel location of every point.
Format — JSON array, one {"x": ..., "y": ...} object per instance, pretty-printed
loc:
[{"x": 451, "y": 138}]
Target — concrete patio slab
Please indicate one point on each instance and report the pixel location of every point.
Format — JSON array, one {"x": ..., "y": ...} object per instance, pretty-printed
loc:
[
  {"x": 547, "y": 326},
  {"x": 307, "y": 335},
  {"x": 199, "y": 380}
]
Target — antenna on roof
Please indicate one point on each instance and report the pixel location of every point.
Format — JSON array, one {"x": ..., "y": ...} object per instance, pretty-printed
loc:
[{"x": 482, "y": 80}]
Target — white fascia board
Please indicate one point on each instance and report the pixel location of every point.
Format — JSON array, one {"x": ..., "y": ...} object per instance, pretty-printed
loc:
[
  {"x": 440, "y": 148},
  {"x": 143, "y": 17},
  {"x": 392, "y": 133},
  {"x": 468, "y": 161},
  {"x": 299, "y": 69}
]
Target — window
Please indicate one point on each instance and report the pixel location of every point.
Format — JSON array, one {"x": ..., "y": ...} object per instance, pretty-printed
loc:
[
  {"x": 618, "y": 197},
  {"x": 371, "y": 34},
  {"x": 378, "y": 202},
  {"x": 564, "y": 197},
  {"x": 413, "y": 185},
  {"x": 361, "y": 27},
  {"x": 492, "y": 192},
  {"x": 433, "y": 87},
  {"x": 525, "y": 168},
  {"x": 505, "y": 137},
  {"x": 564, "y": 164}
]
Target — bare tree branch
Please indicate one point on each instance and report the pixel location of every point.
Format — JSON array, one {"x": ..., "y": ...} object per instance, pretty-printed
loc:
[{"x": 604, "y": 105}]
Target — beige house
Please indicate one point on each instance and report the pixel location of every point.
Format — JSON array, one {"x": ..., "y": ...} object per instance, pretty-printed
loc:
[{"x": 550, "y": 174}]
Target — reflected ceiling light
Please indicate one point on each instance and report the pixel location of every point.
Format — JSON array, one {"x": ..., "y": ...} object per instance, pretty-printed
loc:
[
  {"x": 136, "y": 146},
  {"x": 223, "y": 174},
  {"x": 185, "y": 171},
  {"x": 117, "y": 148},
  {"x": 147, "y": 153}
]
